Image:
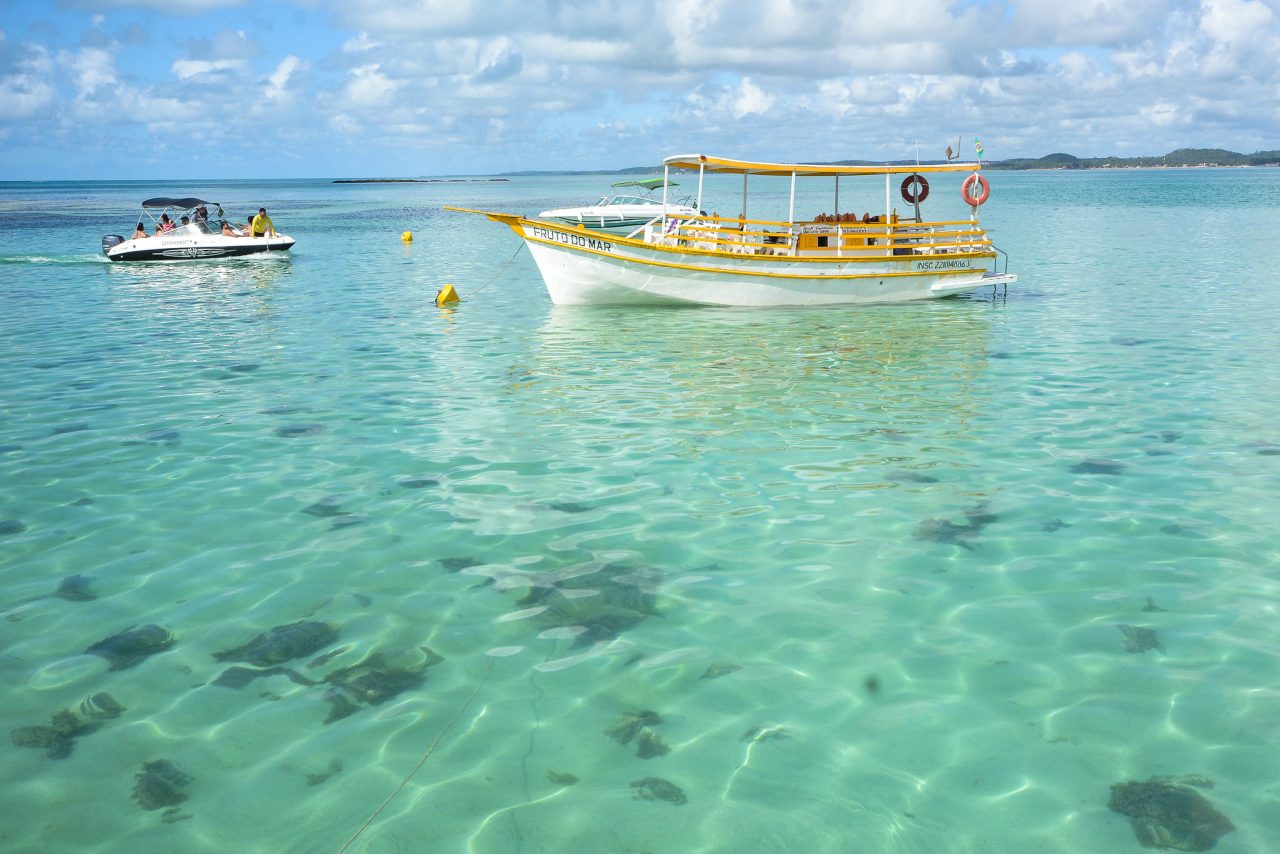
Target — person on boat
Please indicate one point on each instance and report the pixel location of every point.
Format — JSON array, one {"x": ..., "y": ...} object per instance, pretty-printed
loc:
[
  {"x": 262, "y": 224},
  {"x": 186, "y": 221},
  {"x": 201, "y": 215},
  {"x": 140, "y": 232},
  {"x": 228, "y": 231},
  {"x": 165, "y": 224}
]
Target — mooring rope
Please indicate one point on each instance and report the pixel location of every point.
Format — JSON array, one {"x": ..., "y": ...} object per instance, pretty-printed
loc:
[
  {"x": 423, "y": 760},
  {"x": 524, "y": 763},
  {"x": 501, "y": 271}
]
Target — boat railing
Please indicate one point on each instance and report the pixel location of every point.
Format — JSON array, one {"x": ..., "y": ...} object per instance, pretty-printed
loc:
[{"x": 819, "y": 238}]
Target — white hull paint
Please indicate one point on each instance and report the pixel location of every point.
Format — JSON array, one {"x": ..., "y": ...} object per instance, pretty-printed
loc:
[
  {"x": 581, "y": 269},
  {"x": 822, "y": 259},
  {"x": 189, "y": 246}
]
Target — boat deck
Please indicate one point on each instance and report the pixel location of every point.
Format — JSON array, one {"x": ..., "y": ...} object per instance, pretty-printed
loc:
[{"x": 821, "y": 238}]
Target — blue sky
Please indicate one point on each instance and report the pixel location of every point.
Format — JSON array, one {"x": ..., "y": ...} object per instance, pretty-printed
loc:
[{"x": 367, "y": 88}]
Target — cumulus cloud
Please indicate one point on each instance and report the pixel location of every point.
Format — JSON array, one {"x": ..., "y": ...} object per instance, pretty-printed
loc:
[
  {"x": 368, "y": 86},
  {"x": 26, "y": 90},
  {"x": 278, "y": 80},
  {"x": 499, "y": 62},
  {"x": 1243, "y": 38},
  {"x": 519, "y": 81},
  {"x": 1105, "y": 23},
  {"x": 750, "y": 99}
]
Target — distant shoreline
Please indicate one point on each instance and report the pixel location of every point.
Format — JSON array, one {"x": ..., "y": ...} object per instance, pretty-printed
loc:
[
  {"x": 415, "y": 180},
  {"x": 1183, "y": 158}
]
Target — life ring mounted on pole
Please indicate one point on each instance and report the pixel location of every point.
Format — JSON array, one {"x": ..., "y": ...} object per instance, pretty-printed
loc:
[
  {"x": 967, "y": 190},
  {"x": 914, "y": 189}
]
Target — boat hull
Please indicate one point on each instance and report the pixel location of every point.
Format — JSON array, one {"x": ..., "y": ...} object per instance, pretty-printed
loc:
[
  {"x": 163, "y": 248},
  {"x": 582, "y": 268}
]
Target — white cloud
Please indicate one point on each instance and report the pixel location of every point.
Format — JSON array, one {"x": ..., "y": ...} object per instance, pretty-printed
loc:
[
  {"x": 278, "y": 81},
  {"x": 360, "y": 44},
  {"x": 91, "y": 69},
  {"x": 1086, "y": 22},
  {"x": 517, "y": 82},
  {"x": 398, "y": 17},
  {"x": 499, "y": 60},
  {"x": 1163, "y": 114},
  {"x": 750, "y": 100},
  {"x": 369, "y": 87},
  {"x": 27, "y": 90},
  {"x": 1237, "y": 23},
  {"x": 1243, "y": 38},
  {"x": 186, "y": 68}
]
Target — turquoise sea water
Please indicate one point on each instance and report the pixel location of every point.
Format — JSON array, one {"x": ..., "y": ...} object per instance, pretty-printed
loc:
[{"x": 876, "y": 579}]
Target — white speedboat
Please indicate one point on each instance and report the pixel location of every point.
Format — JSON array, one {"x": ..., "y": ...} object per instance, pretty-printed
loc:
[
  {"x": 822, "y": 259},
  {"x": 623, "y": 214},
  {"x": 197, "y": 237}
]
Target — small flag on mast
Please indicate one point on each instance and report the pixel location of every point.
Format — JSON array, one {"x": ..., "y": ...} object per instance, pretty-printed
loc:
[{"x": 977, "y": 146}]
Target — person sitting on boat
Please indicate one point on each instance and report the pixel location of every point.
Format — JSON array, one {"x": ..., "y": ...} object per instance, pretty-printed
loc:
[
  {"x": 165, "y": 224},
  {"x": 186, "y": 221},
  {"x": 228, "y": 231},
  {"x": 140, "y": 232},
  {"x": 262, "y": 224},
  {"x": 201, "y": 214}
]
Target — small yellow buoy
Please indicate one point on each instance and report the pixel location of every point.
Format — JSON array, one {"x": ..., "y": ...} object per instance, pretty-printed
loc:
[
  {"x": 447, "y": 295},
  {"x": 407, "y": 237}
]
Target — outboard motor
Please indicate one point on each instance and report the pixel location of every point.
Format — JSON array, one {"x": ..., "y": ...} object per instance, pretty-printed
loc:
[{"x": 110, "y": 241}]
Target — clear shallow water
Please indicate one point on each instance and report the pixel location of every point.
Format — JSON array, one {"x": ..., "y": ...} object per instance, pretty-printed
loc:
[{"x": 913, "y": 530}]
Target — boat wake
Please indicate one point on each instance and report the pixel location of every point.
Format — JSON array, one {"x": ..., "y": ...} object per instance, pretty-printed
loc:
[{"x": 53, "y": 259}]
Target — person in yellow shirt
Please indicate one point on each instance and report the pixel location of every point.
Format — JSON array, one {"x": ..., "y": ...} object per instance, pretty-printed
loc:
[{"x": 262, "y": 224}]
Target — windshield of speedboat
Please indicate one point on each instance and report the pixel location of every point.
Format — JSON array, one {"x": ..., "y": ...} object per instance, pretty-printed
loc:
[
  {"x": 632, "y": 200},
  {"x": 191, "y": 229}
]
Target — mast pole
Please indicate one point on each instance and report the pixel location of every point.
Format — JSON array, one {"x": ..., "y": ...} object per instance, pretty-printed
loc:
[
  {"x": 791, "y": 211},
  {"x": 888, "y": 213},
  {"x": 666, "y": 185}
]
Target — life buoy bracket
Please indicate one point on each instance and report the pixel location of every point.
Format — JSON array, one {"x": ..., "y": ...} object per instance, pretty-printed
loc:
[
  {"x": 914, "y": 189},
  {"x": 967, "y": 190}
]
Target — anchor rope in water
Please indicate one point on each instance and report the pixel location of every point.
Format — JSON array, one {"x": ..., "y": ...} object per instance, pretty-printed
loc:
[
  {"x": 524, "y": 762},
  {"x": 425, "y": 756},
  {"x": 495, "y": 276}
]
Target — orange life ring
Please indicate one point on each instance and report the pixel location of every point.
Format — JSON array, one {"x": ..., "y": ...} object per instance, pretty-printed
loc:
[
  {"x": 914, "y": 195},
  {"x": 966, "y": 190}
]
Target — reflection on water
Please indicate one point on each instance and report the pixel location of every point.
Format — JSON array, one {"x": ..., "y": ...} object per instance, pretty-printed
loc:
[{"x": 258, "y": 271}]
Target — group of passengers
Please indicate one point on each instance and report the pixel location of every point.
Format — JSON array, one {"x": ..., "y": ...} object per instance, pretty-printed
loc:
[{"x": 255, "y": 226}]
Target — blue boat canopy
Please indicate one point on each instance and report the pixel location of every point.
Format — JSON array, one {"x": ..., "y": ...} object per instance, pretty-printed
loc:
[{"x": 165, "y": 202}]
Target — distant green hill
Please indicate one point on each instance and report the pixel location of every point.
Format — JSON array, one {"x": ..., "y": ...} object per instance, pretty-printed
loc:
[
  {"x": 1181, "y": 157},
  {"x": 1059, "y": 160}
]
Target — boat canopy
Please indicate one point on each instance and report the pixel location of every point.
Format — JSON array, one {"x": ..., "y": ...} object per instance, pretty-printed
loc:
[
  {"x": 647, "y": 183},
  {"x": 706, "y": 163},
  {"x": 165, "y": 202}
]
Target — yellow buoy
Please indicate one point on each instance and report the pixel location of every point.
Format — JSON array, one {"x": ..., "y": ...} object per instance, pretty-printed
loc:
[
  {"x": 407, "y": 237},
  {"x": 447, "y": 295}
]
